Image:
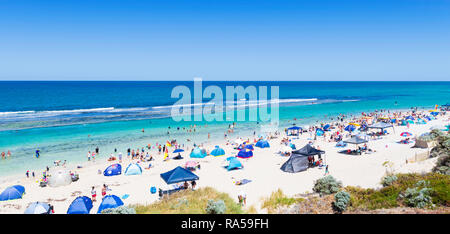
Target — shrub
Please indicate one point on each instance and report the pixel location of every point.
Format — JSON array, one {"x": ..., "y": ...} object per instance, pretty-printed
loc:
[
  {"x": 342, "y": 199},
  {"x": 327, "y": 185},
  {"x": 119, "y": 210},
  {"x": 388, "y": 180},
  {"x": 217, "y": 207},
  {"x": 419, "y": 196},
  {"x": 278, "y": 199}
]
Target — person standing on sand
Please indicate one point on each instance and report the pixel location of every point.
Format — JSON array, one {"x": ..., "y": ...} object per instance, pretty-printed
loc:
[
  {"x": 120, "y": 157},
  {"x": 104, "y": 190},
  {"x": 89, "y": 156},
  {"x": 93, "y": 194},
  {"x": 326, "y": 171}
]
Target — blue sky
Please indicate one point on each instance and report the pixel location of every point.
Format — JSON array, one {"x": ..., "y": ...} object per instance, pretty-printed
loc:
[{"x": 225, "y": 40}]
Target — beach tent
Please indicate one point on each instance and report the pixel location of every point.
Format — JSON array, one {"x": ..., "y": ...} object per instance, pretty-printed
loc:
[
  {"x": 249, "y": 146},
  {"x": 38, "y": 208},
  {"x": 427, "y": 118},
  {"x": 350, "y": 128},
  {"x": 308, "y": 150},
  {"x": 355, "y": 140},
  {"x": 245, "y": 153},
  {"x": 410, "y": 121},
  {"x": 326, "y": 127},
  {"x": 178, "y": 151},
  {"x": 295, "y": 163},
  {"x": 292, "y": 146},
  {"x": 234, "y": 163},
  {"x": 409, "y": 118},
  {"x": 218, "y": 151},
  {"x": 81, "y": 205},
  {"x": 434, "y": 113},
  {"x": 12, "y": 193},
  {"x": 198, "y": 153},
  {"x": 115, "y": 169},
  {"x": 133, "y": 169},
  {"x": 177, "y": 175},
  {"x": 109, "y": 202},
  {"x": 59, "y": 177},
  {"x": 293, "y": 131},
  {"x": 262, "y": 144}
]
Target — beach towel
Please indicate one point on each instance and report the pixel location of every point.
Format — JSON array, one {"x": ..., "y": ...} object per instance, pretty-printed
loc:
[
  {"x": 243, "y": 181},
  {"x": 125, "y": 196}
]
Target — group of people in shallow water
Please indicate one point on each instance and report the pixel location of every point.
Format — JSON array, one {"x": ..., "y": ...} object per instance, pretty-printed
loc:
[{"x": 6, "y": 155}]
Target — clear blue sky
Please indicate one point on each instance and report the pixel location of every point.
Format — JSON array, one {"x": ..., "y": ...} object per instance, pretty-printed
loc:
[{"x": 225, "y": 40}]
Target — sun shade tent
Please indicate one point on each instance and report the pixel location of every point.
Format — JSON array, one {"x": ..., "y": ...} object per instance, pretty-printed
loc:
[
  {"x": 245, "y": 153},
  {"x": 38, "y": 208},
  {"x": 434, "y": 113},
  {"x": 59, "y": 177},
  {"x": 381, "y": 125},
  {"x": 308, "y": 150},
  {"x": 294, "y": 131},
  {"x": 233, "y": 163},
  {"x": 133, "y": 169},
  {"x": 320, "y": 132},
  {"x": 177, "y": 175},
  {"x": 113, "y": 170},
  {"x": 198, "y": 153},
  {"x": 355, "y": 140},
  {"x": 110, "y": 202},
  {"x": 12, "y": 193},
  {"x": 249, "y": 147},
  {"x": 350, "y": 128},
  {"x": 295, "y": 163},
  {"x": 81, "y": 205},
  {"x": 326, "y": 127},
  {"x": 217, "y": 151},
  {"x": 262, "y": 144}
]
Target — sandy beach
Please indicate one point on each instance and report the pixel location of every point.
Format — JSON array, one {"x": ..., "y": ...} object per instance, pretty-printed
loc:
[{"x": 263, "y": 169}]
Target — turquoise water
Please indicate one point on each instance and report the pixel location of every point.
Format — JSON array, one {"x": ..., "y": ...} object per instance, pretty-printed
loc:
[{"x": 66, "y": 119}]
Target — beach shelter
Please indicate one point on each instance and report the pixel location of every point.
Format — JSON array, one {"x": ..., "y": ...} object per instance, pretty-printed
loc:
[
  {"x": 409, "y": 118},
  {"x": 406, "y": 134},
  {"x": 109, "y": 202},
  {"x": 434, "y": 113},
  {"x": 356, "y": 140},
  {"x": 218, "y": 151},
  {"x": 133, "y": 169},
  {"x": 38, "y": 208},
  {"x": 59, "y": 177},
  {"x": 234, "y": 163},
  {"x": 326, "y": 127},
  {"x": 262, "y": 144},
  {"x": 81, "y": 205},
  {"x": 113, "y": 170},
  {"x": 293, "y": 131},
  {"x": 427, "y": 118},
  {"x": 295, "y": 163},
  {"x": 410, "y": 121},
  {"x": 198, "y": 153},
  {"x": 249, "y": 147},
  {"x": 245, "y": 153},
  {"x": 350, "y": 128},
  {"x": 319, "y": 132},
  {"x": 308, "y": 150},
  {"x": 12, "y": 193},
  {"x": 177, "y": 175}
]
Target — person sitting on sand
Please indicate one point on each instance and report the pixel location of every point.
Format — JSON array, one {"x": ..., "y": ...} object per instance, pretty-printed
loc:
[
  {"x": 93, "y": 194},
  {"x": 104, "y": 190}
]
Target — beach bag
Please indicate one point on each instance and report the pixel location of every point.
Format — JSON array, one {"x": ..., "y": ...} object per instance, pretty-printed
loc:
[{"x": 153, "y": 190}]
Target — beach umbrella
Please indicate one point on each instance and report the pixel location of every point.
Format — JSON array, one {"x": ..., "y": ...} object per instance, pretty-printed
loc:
[
  {"x": 109, "y": 202},
  {"x": 434, "y": 113},
  {"x": 81, "y": 205},
  {"x": 406, "y": 134},
  {"x": 350, "y": 128},
  {"x": 217, "y": 151},
  {"x": 354, "y": 124},
  {"x": 38, "y": 208},
  {"x": 178, "y": 151},
  {"x": 12, "y": 193}
]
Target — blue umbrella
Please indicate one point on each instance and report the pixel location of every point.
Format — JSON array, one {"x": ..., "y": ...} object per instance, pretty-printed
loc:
[
  {"x": 178, "y": 150},
  {"x": 38, "y": 208},
  {"x": 350, "y": 128},
  {"x": 12, "y": 192}
]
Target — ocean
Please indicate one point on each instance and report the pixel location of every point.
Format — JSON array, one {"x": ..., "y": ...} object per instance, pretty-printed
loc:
[{"x": 66, "y": 119}]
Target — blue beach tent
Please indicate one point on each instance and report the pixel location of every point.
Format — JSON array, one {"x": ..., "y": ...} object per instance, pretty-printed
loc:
[
  {"x": 198, "y": 153},
  {"x": 38, "y": 208},
  {"x": 245, "y": 153},
  {"x": 115, "y": 169},
  {"x": 350, "y": 128},
  {"x": 326, "y": 127},
  {"x": 133, "y": 169},
  {"x": 81, "y": 205},
  {"x": 249, "y": 146},
  {"x": 177, "y": 175},
  {"x": 409, "y": 117},
  {"x": 262, "y": 144},
  {"x": 109, "y": 202},
  {"x": 178, "y": 151},
  {"x": 292, "y": 146},
  {"x": 319, "y": 132},
  {"x": 12, "y": 193},
  {"x": 233, "y": 163},
  {"x": 218, "y": 151},
  {"x": 434, "y": 113}
]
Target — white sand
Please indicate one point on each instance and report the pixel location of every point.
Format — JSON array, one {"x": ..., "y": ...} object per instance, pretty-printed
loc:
[{"x": 263, "y": 169}]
